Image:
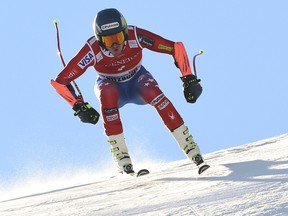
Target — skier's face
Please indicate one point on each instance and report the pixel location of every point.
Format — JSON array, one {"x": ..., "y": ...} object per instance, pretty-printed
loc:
[
  {"x": 114, "y": 43},
  {"x": 109, "y": 40},
  {"x": 116, "y": 49}
]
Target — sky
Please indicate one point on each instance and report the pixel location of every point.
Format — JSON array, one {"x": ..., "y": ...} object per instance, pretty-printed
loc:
[
  {"x": 243, "y": 72},
  {"x": 244, "y": 180}
]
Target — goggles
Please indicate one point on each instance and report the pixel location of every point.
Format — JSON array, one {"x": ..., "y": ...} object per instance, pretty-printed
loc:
[{"x": 109, "y": 40}]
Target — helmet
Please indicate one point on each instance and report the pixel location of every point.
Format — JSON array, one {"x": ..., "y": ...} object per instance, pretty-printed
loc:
[{"x": 110, "y": 22}]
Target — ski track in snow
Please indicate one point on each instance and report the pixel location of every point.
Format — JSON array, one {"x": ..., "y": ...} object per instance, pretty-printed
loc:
[{"x": 251, "y": 179}]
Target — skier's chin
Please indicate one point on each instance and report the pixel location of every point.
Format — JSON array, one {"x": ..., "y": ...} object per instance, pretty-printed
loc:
[{"x": 116, "y": 52}]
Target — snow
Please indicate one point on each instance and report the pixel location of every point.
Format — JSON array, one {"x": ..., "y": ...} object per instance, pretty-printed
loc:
[{"x": 250, "y": 179}]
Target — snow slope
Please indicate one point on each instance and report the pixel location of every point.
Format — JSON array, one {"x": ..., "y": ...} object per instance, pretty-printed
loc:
[{"x": 251, "y": 179}]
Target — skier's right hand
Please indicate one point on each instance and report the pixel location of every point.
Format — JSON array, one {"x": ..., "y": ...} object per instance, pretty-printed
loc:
[{"x": 86, "y": 113}]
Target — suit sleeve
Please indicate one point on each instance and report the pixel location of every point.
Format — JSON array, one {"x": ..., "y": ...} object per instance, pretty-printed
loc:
[
  {"x": 75, "y": 68},
  {"x": 154, "y": 42},
  {"x": 157, "y": 43}
]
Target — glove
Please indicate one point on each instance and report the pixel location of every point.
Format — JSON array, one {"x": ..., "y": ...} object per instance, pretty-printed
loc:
[
  {"x": 86, "y": 113},
  {"x": 191, "y": 88}
]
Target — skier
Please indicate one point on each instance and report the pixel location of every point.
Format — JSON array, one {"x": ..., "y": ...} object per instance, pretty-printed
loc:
[{"x": 115, "y": 52}]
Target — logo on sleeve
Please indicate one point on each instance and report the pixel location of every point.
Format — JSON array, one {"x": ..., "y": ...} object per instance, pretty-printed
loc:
[
  {"x": 143, "y": 39},
  {"x": 86, "y": 60},
  {"x": 163, "y": 47}
]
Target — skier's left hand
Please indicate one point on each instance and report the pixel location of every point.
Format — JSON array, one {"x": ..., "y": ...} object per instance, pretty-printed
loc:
[
  {"x": 86, "y": 113},
  {"x": 191, "y": 88}
]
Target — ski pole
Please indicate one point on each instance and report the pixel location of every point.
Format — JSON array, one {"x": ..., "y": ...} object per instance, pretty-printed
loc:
[
  {"x": 194, "y": 60},
  {"x": 61, "y": 56}
]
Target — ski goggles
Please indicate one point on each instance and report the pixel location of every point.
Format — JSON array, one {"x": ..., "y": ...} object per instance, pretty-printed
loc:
[{"x": 109, "y": 40}]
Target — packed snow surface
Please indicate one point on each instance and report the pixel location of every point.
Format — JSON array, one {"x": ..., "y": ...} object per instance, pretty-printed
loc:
[{"x": 251, "y": 179}]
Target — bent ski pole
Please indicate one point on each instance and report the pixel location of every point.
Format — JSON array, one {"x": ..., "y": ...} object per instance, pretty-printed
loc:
[
  {"x": 194, "y": 61},
  {"x": 61, "y": 57}
]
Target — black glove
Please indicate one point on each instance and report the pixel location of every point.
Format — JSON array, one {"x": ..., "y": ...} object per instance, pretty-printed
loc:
[
  {"x": 86, "y": 113},
  {"x": 191, "y": 88}
]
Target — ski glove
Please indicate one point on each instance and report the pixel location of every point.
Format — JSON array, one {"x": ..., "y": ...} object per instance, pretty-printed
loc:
[
  {"x": 191, "y": 88},
  {"x": 86, "y": 113}
]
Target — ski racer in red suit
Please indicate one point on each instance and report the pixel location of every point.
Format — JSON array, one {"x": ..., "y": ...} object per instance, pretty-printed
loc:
[{"x": 115, "y": 52}]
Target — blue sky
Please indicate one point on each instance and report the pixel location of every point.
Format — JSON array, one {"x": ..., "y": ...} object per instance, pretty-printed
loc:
[{"x": 243, "y": 71}]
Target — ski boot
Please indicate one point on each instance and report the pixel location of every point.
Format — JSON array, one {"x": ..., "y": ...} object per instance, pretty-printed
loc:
[
  {"x": 120, "y": 153},
  {"x": 202, "y": 166},
  {"x": 189, "y": 147}
]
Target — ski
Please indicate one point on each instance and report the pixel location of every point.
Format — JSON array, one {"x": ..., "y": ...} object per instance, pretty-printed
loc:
[
  {"x": 142, "y": 172},
  {"x": 203, "y": 168}
]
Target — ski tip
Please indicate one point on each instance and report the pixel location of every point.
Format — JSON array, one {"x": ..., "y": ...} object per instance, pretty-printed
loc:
[
  {"x": 203, "y": 168},
  {"x": 142, "y": 172}
]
